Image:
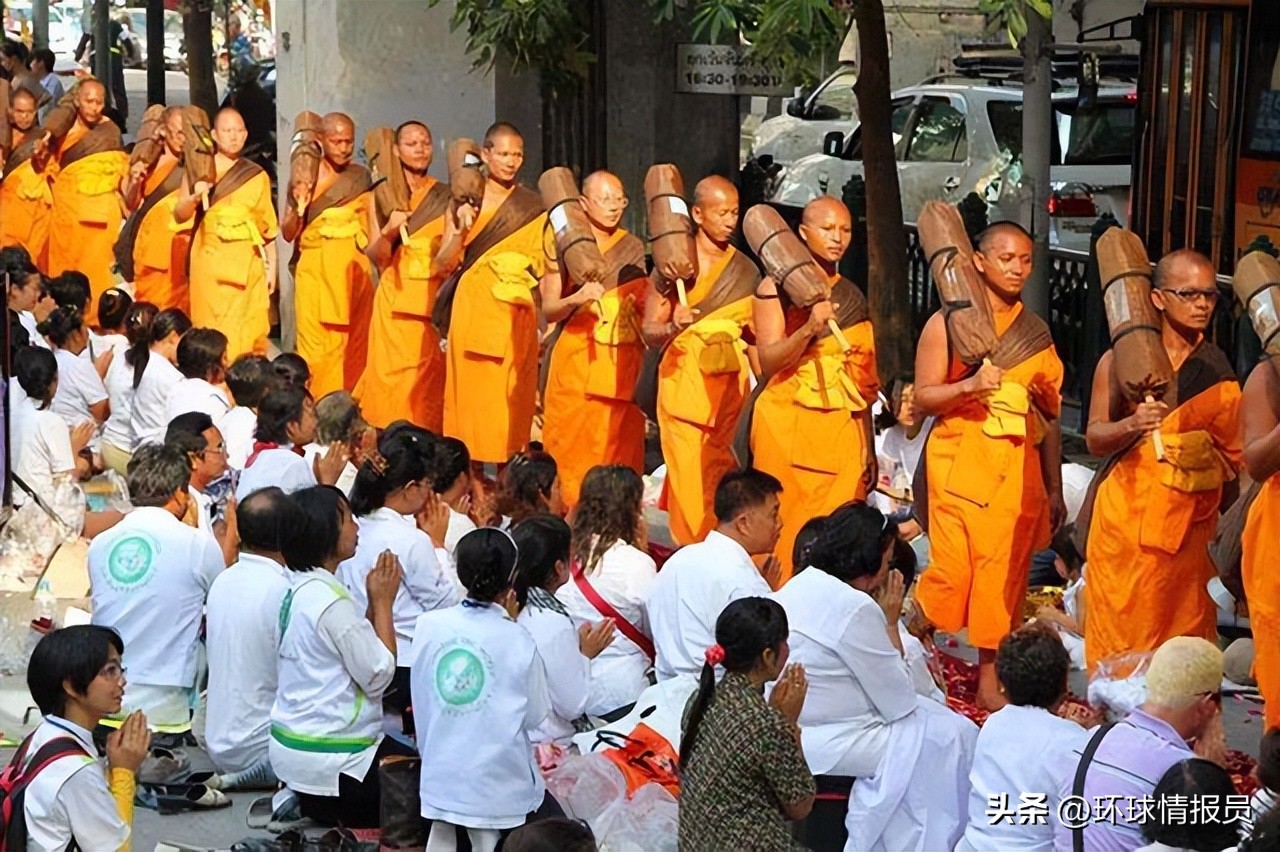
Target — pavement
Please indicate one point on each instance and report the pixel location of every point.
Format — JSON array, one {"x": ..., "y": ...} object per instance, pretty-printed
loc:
[{"x": 175, "y": 91}]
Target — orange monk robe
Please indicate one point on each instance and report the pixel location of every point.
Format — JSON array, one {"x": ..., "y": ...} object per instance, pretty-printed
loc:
[
  {"x": 86, "y": 206},
  {"x": 1148, "y": 543},
  {"x": 808, "y": 424},
  {"x": 702, "y": 386},
  {"x": 589, "y": 417},
  {"x": 404, "y": 373},
  {"x": 986, "y": 503},
  {"x": 159, "y": 273},
  {"x": 1262, "y": 590},
  {"x": 26, "y": 206},
  {"x": 492, "y": 379},
  {"x": 333, "y": 282},
  {"x": 228, "y": 280}
]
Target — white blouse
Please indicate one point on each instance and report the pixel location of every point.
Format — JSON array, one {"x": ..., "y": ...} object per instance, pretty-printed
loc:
[{"x": 622, "y": 577}]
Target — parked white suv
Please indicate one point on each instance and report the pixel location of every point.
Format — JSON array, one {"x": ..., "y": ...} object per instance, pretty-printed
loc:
[
  {"x": 799, "y": 131},
  {"x": 956, "y": 138}
]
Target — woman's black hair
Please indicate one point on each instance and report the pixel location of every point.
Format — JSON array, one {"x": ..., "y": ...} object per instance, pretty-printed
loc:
[
  {"x": 16, "y": 264},
  {"x": 557, "y": 834},
  {"x": 1191, "y": 780},
  {"x": 315, "y": 538},
  {"x": 71, "y": 290},
  {"x": 200, "y": 353},
  {"x": 404, "y": 461},
  {"x": 543, "y": 540},
  {"x": 745, "y": 629},
  {"x": 449, "y": 461},
  {"x": 137, "y": 330},
  {"x": 486, "y": 559},
  {"x": 248, "y": 378},
  {"x": 166, "y": 322},
  {"x": 805, "y": 540},
  {"x": 279, "y": 407},
  {"x": 1032, "y": 666},
  {"x": 888, "y": 416},
  {"x": 1265, "y": 834},
  {"x": 292, "y": 369},
  {"x": 524, "y": 486},
  {"x": 73, "y": 656},
  {"x": 60, "y": 325},
  {"x": 36, "y": 371},
  {"x": 852, "y": 542},
  {"x": 608, "y": 512},
  {"x": 904, "y": 561},
  {"x": 1064, "y": 544},
  {"x": 113, "y": 308}
]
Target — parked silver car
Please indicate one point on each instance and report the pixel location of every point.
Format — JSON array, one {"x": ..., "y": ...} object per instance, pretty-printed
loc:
[
  {"x": 800, "y": 130},
  {"x": 956, "y": 138}
]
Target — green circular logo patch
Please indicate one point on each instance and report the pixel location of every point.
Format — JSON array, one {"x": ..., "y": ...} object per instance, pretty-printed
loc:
[
  {"x": 131, "y": 562},
  {"x": 461, "y": 678}
]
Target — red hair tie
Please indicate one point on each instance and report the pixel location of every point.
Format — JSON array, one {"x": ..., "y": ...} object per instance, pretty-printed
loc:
[{"x": 715, "y": 655}]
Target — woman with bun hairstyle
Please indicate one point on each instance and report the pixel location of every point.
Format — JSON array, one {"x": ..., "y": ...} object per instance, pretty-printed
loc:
[
  {"x": 479, "y": 692},
  {"x": 81, "y": 394},
  {"x": 111, "y": 334},
  {"x": 530, "y": 483},
  {"x": 155, "y": 373},
  {"x": 396, "y": 510},
  {"x": 744, "y": 776},
  {"x": 117, "y": 433}
]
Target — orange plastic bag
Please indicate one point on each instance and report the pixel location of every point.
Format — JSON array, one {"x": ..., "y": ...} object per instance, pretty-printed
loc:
[{"x": 644, "y": 757}]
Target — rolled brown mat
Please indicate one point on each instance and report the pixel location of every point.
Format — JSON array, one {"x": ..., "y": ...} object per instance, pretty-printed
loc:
[
  {"x": 390, "y": 189},
  {"x": 1141, "y": 363},
  {"x": 305, "y": 150},
  {"x": 671, "y": 234},
  {"x": 150, "y": 142},
  {"x": 971, "y": 329},
  {"x": 198, "y": 148},
  {"x": 784, "y": 256},
  {"x": 6, "y": 130},
  {"x": 1257, "y": 286},
  {"x": 576, "y": 248},
  {"x": 466, "y": 180}
]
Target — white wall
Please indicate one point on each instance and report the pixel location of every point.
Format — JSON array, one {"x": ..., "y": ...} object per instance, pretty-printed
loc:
[{"x": 382, "y": 62}]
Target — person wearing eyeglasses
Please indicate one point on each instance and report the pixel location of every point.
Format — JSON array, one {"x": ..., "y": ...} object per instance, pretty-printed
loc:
[
  {"x": 211, "y": 506},
  {"x": 73, "y": 800},
  {"x": 1156, "y": 505},
  {"x": 595, "y": 352}
]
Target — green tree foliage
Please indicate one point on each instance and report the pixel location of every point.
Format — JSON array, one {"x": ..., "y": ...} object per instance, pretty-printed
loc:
[
  {"x": 549, "y": 36},
  {"x": 1011, "y": 15}
]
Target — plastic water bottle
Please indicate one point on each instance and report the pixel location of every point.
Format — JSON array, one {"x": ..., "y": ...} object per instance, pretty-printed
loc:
[{"x": 46, "y": 605}]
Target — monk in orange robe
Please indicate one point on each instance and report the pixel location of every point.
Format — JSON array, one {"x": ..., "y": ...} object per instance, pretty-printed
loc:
[
  {"x": 1260, "y": 416},
  {"x": 989, "y": 487},
  {"x": 487, "y": 308},
  {"x": 145, "y": 250},
  {"x": 404, "y": 373},
  {"x": 26, "y": 203},
  {"x": 703, "y": 372},
  {"x": 87, "y": 209},
  {"x": 233, "y": 250},
  {"x": 594, "y": 355},
  {"x": 1150, "y": 521},
  {"x": 810, "y": 421},
  {"x": 333, "y": 280}
]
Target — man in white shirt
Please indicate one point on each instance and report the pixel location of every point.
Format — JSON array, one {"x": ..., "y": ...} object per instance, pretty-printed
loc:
[
  {"x": 148, "y": 578},
  {"x": 201, "y": 442},
  {"x": 700, "y": 580},
  {"x": 202, "y": 360},
  {"x": 286, "y": 424},
  {"x": 248, "y": 378},
  {"x": 42, "y": 63},
  {"x": 243, "y": 639}
]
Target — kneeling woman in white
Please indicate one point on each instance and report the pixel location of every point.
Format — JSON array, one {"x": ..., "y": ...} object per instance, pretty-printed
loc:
[
  {"x": 479, "y": 691},
  {"x": 543, "y": 541},
  {"x": 611, "y": 577},
  {"x": 862, "y": 717},
  {"x": 286, "y": 424},
  {"x": 395, "y": 507},
  {"x": 326, "y": 724}
]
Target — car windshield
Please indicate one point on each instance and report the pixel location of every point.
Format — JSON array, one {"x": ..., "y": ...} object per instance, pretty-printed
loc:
[{"x": 1100, "y": 135}]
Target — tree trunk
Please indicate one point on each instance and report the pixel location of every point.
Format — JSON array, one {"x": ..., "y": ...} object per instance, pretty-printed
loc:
[
  {"x": 886, "y": 239},
  {"x": 198, "y": 29},
  {"x": 1037, "y": 147},
  {"x": 155, "y": 52}
]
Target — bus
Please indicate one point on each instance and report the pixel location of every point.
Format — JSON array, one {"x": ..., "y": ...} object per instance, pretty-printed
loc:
[{"x": 1207, "y": 168}]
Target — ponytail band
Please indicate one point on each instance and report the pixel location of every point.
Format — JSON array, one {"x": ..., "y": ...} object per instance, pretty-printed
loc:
[{"x": 715, "y": 655}]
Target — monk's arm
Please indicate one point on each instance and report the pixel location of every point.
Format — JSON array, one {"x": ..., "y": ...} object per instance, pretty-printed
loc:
[
  {"x": 379, "y": 248},
  {"x": 1105, "y": 435},
  {"x": 657, "y": 327},
  {"x": 188, "y": 200},
  {"x": 291, "y": 224},
  {"x": 778, "y": 350},
  {"x": 934, "y": 394},
  {"x": 131, "y": 186},
  {"x": 451, "y": 245},
  {"x": 273, "y": 265},
  {"x": 1260, "y": 423},
  {"x": 555, "y": 305},
  {"x": 1051, "y": 471}
]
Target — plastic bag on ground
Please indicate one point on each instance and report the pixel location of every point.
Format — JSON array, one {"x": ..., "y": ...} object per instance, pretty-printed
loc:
[{"x": 1119, "y": 683}]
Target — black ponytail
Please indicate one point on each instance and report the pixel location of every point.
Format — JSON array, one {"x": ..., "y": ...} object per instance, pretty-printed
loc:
[
  {"x": 486, "y": 560},
  {"x": 403, "y": 461},
  {"x": 745, "y": 629},
  {"x": 543, "y": 540},
  {"x": 162, "y": 324},
  {"x": 60, "y": 325}
]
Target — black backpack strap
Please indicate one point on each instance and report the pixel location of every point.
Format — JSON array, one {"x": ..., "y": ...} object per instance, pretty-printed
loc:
[
  {"x": 14, "y": 820},
  {"x": 1077, "y": 785}
]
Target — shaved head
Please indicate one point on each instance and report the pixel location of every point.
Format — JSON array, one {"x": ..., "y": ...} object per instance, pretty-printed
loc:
[
  {"x": 228, "y": 117},
  {"x": 413, "y": 122},
  {"x": 500, "y": 130},
  {"x": 22, "y": 107},
  {"x": 91, "y": 101},
  {"x": 715, "y": 209},
  {"x": 824, "y": 207},
  {"x": 1185, "y": 290},
  {"x": 415, "y": 146},
  {"x": 714, "y": 188},
  {"x": 1005, "y": 257},
  {"x": 337, "y": 122},
  {"x": 22, "y": 95},
  {"x": 604, "y": 199},
  {"x": 1181, "y": 264},
  {"x": 90, "y": 84},
  {"x": 229, "y": 132},
  {"x": 503, "y": 152},
  {"x": 601, "y": 181},
  {"x": 1001, "y": 231},
  {"x": 826, "y": 228},
  {"x": 339, "y": 139}
]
